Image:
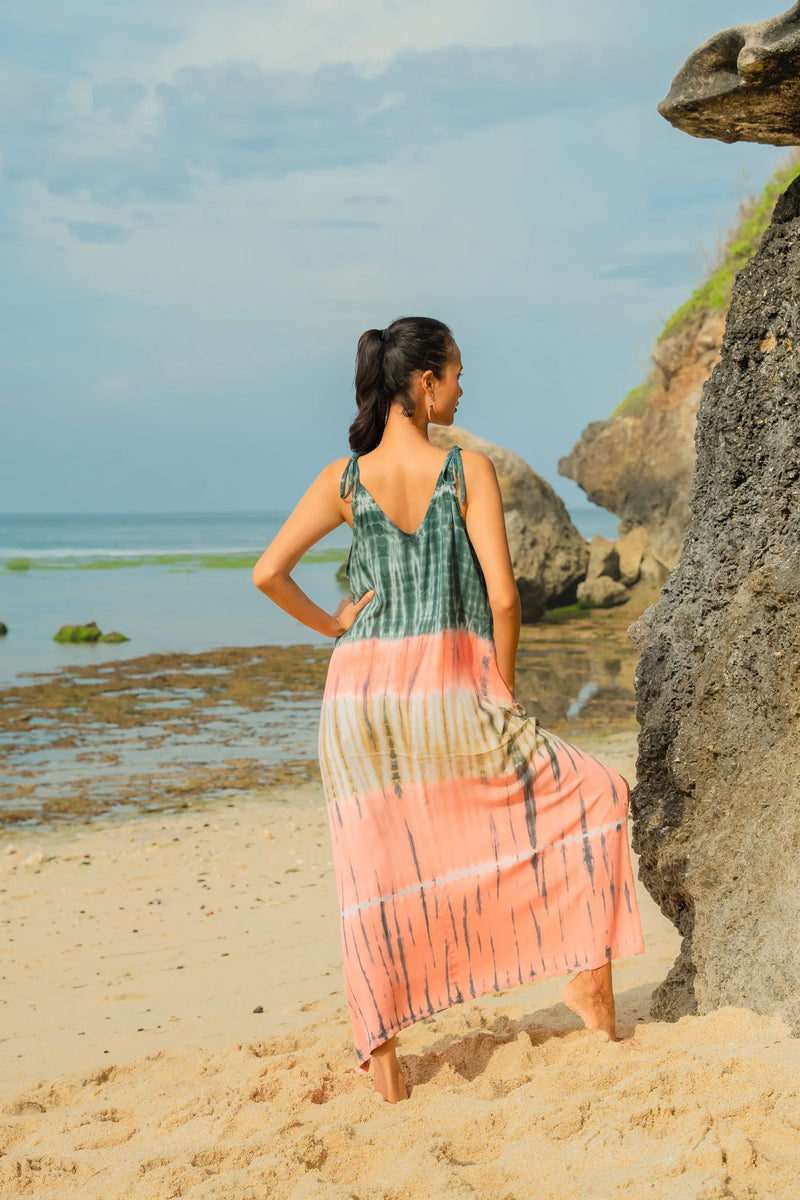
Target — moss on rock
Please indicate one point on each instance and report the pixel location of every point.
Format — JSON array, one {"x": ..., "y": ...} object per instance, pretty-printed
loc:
[{"x": 78, "y": 633}]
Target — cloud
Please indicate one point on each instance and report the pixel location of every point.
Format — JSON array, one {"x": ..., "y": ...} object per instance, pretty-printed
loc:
[
  {"x": 99, "y": 233},
  {"x": 334, "y": 225},
  {"x": 377, "y": 199},
  {"x": 117, "y": 98},
  {"x": 238, "y": 121}
]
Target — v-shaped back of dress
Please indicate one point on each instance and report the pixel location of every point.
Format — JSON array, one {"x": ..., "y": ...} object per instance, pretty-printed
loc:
[
  {"x": 426, "y": 581},
  {"x": 355, "y": 482}
]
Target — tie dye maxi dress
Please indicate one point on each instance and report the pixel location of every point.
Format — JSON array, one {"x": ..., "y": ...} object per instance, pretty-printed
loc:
[{"x": 473, "y": 850}]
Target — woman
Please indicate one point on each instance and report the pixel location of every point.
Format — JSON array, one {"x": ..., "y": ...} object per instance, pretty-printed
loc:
[{"x": 473, "y": 850}]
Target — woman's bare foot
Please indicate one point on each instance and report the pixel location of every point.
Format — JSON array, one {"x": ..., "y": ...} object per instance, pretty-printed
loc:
[
  {"x": 591, "y": 997},
  {"x": 389, "y": 1079}
]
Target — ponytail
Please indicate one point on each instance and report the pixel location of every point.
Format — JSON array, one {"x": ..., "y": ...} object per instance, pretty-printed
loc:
[{"x": 385, "y": 361}]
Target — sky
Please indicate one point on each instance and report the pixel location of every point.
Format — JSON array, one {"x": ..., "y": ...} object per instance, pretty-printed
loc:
[{"x": 203, "y": 205}]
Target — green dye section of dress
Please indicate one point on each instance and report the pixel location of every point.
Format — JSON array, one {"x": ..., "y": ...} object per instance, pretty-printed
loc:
[{"x": 426, "y": 581}]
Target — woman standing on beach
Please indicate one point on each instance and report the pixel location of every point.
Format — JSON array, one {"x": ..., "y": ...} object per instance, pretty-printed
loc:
[{"x": 473, "y": 850}]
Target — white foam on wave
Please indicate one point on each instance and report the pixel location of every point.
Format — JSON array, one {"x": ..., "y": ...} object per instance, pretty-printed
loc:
[{"x": 106, "y": 552}]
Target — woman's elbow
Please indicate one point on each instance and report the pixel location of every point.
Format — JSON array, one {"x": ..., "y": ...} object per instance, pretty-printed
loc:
[
  {"x": 507, "y": 602},
  {"x": 264, "y": 576}
]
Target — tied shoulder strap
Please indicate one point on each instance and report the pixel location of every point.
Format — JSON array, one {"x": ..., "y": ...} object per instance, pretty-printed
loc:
[
  {"x": 459, "y": 474},
  {"x": 349, "y": 476}
]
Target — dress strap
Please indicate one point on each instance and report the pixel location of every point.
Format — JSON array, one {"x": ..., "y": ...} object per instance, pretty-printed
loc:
[
  {"x": 351, "y": 471},
  {"x": 462, "y": 485}
]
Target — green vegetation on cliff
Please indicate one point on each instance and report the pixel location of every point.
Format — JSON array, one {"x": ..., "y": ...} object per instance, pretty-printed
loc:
[
  {"x": 754, "y": 217},
  {"x": 637, "y": 398},
  {"x": 714, "y": 293}
]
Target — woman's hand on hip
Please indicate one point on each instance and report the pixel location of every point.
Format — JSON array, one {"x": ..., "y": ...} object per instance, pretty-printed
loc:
[{"x": 347, "y": 611}]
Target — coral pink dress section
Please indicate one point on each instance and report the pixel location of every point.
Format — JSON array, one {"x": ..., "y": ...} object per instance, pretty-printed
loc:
[{"x": 473, "y": 850}]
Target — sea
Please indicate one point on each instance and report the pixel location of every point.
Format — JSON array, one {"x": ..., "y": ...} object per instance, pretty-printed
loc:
[{"x": 168, "y": 581}]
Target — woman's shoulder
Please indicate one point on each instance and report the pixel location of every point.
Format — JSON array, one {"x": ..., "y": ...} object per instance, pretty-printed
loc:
[
  {"x": 477, "y": 462},
  {"x": 479, "y": 473},
  {"x": 337, "y": 466},
  {"x": 332, "y": 475}
]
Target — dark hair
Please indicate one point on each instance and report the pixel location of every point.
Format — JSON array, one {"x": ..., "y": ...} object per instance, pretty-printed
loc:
[{"x": 385, "y": 361}]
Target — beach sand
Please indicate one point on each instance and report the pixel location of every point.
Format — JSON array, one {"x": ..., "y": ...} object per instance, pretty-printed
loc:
[{"x": 135, "y": 1065}]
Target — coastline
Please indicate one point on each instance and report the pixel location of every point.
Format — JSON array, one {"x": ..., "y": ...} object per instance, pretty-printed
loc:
[{"x": 176, "y": 731}]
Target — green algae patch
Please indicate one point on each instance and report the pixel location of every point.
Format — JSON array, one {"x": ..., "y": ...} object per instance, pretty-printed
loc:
[
  {"x": 567, "y": 612},
  {"x": 180, "y": 562}
]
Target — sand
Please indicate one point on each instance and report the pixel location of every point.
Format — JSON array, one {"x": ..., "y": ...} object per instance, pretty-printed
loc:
[{"x": 135, "y": 1065}]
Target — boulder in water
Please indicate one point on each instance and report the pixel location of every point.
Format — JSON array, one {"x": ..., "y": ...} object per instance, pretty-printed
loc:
[{"x": 78, "y": 633}]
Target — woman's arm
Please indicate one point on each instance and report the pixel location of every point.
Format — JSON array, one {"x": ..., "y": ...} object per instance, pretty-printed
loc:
[
  {"x": 318, "y": 511},
  {"x": 486, "y": 528}
]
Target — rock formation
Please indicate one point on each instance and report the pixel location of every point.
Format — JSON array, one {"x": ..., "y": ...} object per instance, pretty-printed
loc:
[
  {"x": 613, "y": 568},
  {"x": 601, "y": 592},
  {"x": 89, "y": 632},
  {"x": 639, "y": 463},
  {"x": 743, "y": 84},
  {"x": 548, "y": 553},
  {"x": 716, "y": 813}
]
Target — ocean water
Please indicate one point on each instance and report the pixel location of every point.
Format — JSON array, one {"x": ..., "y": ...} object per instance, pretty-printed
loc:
[{"x": 169, "y": 581}]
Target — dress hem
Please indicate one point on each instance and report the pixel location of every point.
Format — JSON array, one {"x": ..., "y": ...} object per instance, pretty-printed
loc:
[{"x": 364, "y": 1066}]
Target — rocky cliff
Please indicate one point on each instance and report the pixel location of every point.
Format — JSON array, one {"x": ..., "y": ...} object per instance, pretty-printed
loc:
[
  {"x": 716, "y": 813},
  {"x": 638, "y": 464}
]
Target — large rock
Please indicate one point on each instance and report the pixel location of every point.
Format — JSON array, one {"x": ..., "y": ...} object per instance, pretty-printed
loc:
[
  {"x": 716, "y": 812},
  {"x": 603, "y": 558},
  {"x": 630, "y": 553},
  {"x": 639, "y": 464},
  {"x": 742, "y": 85},
  {"x": 601, "y": 592},
  {"x": 548, "y": 554},
  {"x": 78, "y": 633}
]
